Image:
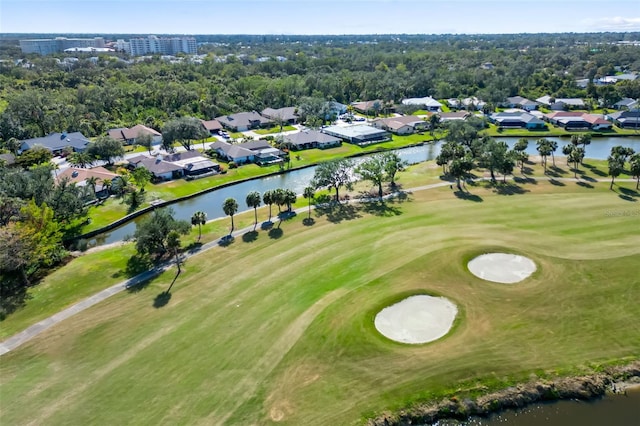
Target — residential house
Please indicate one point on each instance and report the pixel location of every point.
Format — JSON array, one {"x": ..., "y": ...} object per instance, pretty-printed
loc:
[
  {"x": 520, "y": 102},
  {"x": 308, "y": 139},
  {"x": 427, "y": 103},
  {"x": 193, "y": 163},
  {"x": 626, "y": 103},
  {"x": 560, "y": 104},
  {"x": 470, "y": 104},
  {"x": 128, "y": 136},
  {"x": 335, "y": 109},
  {"x": 244, "y": 121},
  {"x": 368, "y": 107},
  {"x": 211, "y": 126},
  {"x": 259, "y": 152},
  {"x": 453, "y": 116},
  {"x": 160, "y": 169},
  {"x": 517, "y": 120},
  {"x": 287, "y": 115},
  {"x": 626, "y": 119},
  {"x": 360, "y": 134},
  {"x": 573, "y": 120},
  {"x": 81, "y": 176},
  {"x": 57, "y": 142},
  {"x": 402, "y": 125}
]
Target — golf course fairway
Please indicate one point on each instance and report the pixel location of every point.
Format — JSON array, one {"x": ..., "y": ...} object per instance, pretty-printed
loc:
[{"x": 278, "y": 327}]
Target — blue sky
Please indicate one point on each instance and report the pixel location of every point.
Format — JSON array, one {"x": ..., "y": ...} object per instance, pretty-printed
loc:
[{"x": 317, "y": 17}]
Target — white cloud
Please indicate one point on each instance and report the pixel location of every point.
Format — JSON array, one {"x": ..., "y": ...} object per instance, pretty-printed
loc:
[{"x": 617, "y": 23}]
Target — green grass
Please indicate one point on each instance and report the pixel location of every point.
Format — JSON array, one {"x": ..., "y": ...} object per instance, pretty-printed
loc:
[
  {"x": 273, "y": 130},
  {"x": 278, "y": 327}
]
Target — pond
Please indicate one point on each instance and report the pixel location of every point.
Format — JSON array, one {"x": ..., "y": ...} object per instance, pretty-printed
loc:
[{"x": 297, "y": 180}]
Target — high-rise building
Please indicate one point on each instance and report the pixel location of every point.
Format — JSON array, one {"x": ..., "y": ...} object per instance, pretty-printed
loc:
[
  {"x": 58, "y": 44},
  {"x": 163, "y": 45}
]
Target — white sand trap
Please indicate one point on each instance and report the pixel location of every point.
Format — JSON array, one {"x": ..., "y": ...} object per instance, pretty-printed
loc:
[
  {"x": 502, "y": 268},
  {"x": 417, "y": 319}
]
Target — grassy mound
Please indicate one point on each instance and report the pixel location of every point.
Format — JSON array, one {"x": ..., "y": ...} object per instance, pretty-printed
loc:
[{"x": 279, "y": 327}]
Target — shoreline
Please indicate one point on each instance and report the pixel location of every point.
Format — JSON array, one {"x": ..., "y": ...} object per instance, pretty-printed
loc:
[{"x": 612, "y": 381}]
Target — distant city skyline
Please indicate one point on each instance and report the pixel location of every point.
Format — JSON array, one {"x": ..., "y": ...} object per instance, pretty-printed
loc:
[{"x": 317, "y": 17}]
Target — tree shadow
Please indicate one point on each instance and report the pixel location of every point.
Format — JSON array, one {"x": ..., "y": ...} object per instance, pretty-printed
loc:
[
  {"x": 275, "y": 233},
  {"x": 337, "y": 212},
  {"x": 525, "y": 180},
  {"x": 136, "y": 264},
  {"x": 308, "y": 221},
  {"x": 381, "y": 208},
  {"x": 250, "y": 236},
  {"x": 627, "y": 194},
  {"x": 161, "y": 300},
  {"x": 587, "y": 178},
  {"x": 266, "y": 225},
  {"x": 552, "y": 173},
  {"x": 558, "y": 170},
  {"x": 595, "y": 170},
  {"x": 584, "y": 184},
  {"x": 509, "y": 189},
  {"x": 226, "y": 241},
  {"x": 468, "y": 196},
  {"x": 527, "y": 170},
  {"x": 194, "y": 247},
  {"x": 400, "y": 197},
  {"x": 556, "y": 182}
]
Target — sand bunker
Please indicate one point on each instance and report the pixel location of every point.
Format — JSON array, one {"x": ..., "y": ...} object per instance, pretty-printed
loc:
[
  {"x": 417, "y": 319},
  {"x": 502, "y": 268}
]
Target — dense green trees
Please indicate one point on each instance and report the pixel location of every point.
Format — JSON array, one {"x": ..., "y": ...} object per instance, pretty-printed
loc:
[
  {"x": 93, "y": 97},
  {"x": 152, "y": 233},
  {"x": 183, "y": 130},
  {"x": 334, "y": 174},
  {"x": 105, "y": 148}
]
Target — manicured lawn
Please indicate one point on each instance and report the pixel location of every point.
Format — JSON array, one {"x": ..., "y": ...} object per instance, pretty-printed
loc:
[
  {"x": 278, "y": 326},
  {"x": 274, "y": 130}
]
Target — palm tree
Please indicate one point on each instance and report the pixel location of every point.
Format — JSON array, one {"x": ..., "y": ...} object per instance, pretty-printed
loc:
[
  {"x": 309, "y": 193},
  {"x": 634, "y": 162},
  {"x": 106, "y": 185},
  {"x": 230, "y": 207},
  {"x": 267, "y": 198},
  {"x": 199, "y": 218},
  {"x": 544, "y": 149},
  {"x": 616, "y": 166},
  {"x": 553, "y": 146},
  {"x": 253, "y": 201},
  {"x": 92, "y": 181},
  {"x": 173, "y": 244}
]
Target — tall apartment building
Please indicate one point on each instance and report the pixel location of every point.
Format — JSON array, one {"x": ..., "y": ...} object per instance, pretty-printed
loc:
[
  {"x": 58, "y": 44},
  {"x": 163, "y": 45}
]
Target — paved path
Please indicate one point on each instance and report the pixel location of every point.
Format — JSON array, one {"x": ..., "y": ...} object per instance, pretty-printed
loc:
[{"x": 28, "y": 334}]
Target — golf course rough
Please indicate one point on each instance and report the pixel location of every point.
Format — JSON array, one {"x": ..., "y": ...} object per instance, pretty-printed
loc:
[
  {"x": 417, "y": 319},
  {"x": 502, "y": 268}
]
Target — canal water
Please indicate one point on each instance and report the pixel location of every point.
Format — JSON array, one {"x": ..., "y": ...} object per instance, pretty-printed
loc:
[
  {"x": 297, "y": 180},
  {"x": 612, "y": 410}
]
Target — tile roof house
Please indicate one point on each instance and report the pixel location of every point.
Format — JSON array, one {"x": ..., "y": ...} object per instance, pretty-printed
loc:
[
  {"x": 402, "y": 125},
  {"x": 366, "y": 107},
  {"x": 308, "y": 139},
  {"x": 211, "y": 126},
  {"x": 559, "y": 104},
  {"x": 258, "y": 151},
  {"x": 471, "y": 103},
  {"x": 160, "y": 169},
  {"x": 287, "y": 115},
  {"x": 517, "y": 120},
  {"x": 427, "y": 103},
  {"x": 626, "y": 103},
  {"x": 57, "y": 142},
  {"x": 79, "y": 176},
  {"x": 626, "y": 119},
  {"x": 171, "y": 166},
  {"x": 128, "y": 135},
  {"x": 243, "y": 121},
  {"x": 520, "y": 102},
  {"x": 572, "y": 120}
]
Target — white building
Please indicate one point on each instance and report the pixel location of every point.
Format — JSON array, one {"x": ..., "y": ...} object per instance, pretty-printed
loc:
[{"x": 162, "y": 45}]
